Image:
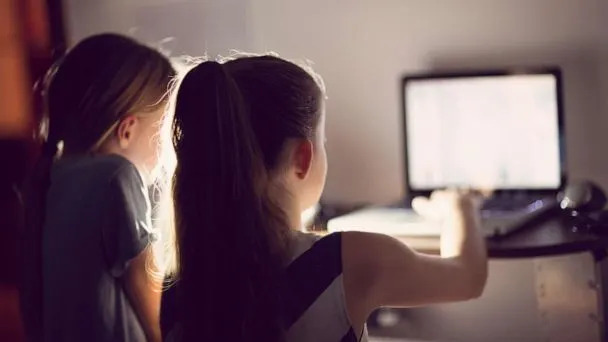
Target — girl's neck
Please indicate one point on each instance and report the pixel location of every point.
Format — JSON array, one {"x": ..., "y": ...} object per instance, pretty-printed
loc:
[
  {"x": 289, "y": 205},
  {"x": 294, "y": 219},
  {"x": 107, "y": 149}
]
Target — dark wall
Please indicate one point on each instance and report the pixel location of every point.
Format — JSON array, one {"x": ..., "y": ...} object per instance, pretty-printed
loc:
[{"x": 31, "y": 36}]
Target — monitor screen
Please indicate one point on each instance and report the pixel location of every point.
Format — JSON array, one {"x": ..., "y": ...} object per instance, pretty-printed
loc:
[{"x": 499, "y": 131}]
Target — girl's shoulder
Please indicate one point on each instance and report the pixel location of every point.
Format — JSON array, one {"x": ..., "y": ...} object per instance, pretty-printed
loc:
[
  {"x": 302, "y": 242},
  {"x": 103, "y": 169}
]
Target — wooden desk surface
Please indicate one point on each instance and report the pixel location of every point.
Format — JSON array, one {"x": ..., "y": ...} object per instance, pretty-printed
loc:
[{"x": 556, "y": 236}]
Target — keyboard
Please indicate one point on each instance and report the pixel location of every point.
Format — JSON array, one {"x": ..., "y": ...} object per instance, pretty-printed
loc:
[
  {"x": 498, "y": 219},
  {"x": 508, "y": 203}
]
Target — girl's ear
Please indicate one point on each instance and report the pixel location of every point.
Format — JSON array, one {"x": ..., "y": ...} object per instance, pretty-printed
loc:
[
  {"x": 126, "y": 131},
  {"x": 303, "y": 155}
]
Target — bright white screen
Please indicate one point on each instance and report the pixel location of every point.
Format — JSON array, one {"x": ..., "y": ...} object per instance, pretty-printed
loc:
[{"x": 498, "y": 131}]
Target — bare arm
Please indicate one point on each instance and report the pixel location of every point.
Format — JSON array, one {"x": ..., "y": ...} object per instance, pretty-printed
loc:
[
  {"x": 144, "y": 294},
  {"x": 381, "y": 271}
]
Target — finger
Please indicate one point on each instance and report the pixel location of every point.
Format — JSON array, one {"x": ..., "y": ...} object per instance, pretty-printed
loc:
[
  {"x": 423, "y": 206},
  {"x": 483, "y": 192},
  {"x": 441, "y": 195},
  {"x": 486, "y": 192}
]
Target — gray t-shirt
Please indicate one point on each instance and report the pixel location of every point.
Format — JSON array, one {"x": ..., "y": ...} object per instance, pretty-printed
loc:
[{"x": 97, "y": 220}]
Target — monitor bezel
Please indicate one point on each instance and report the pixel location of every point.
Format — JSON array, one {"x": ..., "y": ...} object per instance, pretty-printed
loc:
[{"x": 550, "y": 70}]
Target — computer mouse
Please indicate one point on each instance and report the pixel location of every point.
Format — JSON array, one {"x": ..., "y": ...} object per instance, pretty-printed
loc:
[{"x": 584, "y": 196}]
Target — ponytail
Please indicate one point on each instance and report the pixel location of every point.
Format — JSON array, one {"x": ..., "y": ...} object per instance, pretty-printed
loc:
[{"x": 229, "y": 268}]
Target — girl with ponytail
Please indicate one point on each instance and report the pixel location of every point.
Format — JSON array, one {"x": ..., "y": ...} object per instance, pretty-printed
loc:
[
  {"x": 249, "y": 138},
  {"x": 88, "y": 239}
]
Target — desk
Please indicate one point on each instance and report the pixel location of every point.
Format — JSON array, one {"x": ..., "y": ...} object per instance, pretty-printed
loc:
[
  {"x": 571, "y": 273},
  {"x": 551, "y": 238},
  {"x": 571, "y": 291},
  {"x": 583, "y": 283}
]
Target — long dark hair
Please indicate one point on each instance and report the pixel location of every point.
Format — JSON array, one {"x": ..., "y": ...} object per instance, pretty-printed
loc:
[
  {"x": 231, "y": 124},
  {"x": 102, "y": 79}
]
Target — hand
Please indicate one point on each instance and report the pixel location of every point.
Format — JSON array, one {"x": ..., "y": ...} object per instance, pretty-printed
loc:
[{"x": 445, "y": 203}]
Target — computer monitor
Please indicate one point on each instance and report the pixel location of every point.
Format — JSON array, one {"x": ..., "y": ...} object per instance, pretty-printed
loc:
[{"x": 494, "y": 129}]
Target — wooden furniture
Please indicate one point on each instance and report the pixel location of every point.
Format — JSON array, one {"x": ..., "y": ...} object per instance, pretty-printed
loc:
[{"x": 571, "y": 273}]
